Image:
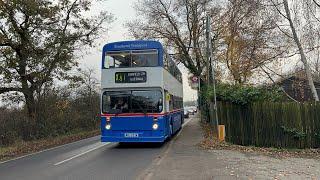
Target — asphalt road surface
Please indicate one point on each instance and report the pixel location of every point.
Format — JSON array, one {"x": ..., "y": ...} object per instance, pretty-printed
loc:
[{"x": 85, "y": 159}]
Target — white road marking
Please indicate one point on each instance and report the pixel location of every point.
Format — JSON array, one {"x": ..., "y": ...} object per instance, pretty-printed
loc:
[
  {"x": 185, "y": 123},
  {"x": 56, "y": 147},
  {"x": 78, "y": 155},
  {"x": 20, "y": 157}
]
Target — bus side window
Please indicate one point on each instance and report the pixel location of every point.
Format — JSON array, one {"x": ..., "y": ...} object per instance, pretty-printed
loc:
[
  {"x": 109, "y": 62},
  {"x": 171, "y": 103}
]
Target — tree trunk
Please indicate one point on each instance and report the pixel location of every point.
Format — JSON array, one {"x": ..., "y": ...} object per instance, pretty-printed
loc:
[
  {"x": 302, "y": 54},
  {"x": 31, "y": 105},
  {"x": 30, "y": 124}
]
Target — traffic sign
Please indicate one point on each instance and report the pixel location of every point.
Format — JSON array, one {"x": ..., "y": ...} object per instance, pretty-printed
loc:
[
  {"x": 194, "y": 82},
  {"x": 194, "y": 79}
]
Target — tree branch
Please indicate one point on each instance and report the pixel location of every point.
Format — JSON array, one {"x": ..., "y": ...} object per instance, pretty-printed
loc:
[
  {"x": 282, "y": 89},
  {"x": 276, "y": 6},
  {"x": 316, "y": 3},
  {"x": 9, "y": 89}
]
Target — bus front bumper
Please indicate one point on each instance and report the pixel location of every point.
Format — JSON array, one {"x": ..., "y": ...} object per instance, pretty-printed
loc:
[{"x": 131, "y": 139}]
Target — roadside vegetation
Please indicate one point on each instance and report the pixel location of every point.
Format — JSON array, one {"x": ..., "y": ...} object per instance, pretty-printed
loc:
[
  {"x": 59, "y": 111},
  {"x": 46, "y": 99},
  {"x": 21, "y": 147},
  {"x": 242, "y": 95},
  {"x": 254, "y": 45},
  {"x": 64, "y": 114}
]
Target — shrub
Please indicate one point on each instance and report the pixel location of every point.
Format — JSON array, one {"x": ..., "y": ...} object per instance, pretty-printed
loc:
[
  {"x": 242, "y": 95},
  {"x": 57, "y": 114}
]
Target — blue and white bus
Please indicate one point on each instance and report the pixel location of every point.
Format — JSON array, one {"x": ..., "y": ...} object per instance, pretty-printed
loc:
[{"x": 141, "y": 93}]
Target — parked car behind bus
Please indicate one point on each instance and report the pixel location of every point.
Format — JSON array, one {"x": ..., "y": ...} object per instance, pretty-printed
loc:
[{"x": 186, "y": 113}]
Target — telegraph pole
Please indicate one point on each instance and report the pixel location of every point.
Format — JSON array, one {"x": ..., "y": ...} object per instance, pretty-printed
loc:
[
  {"x": 208, "y": 47},
  {"x": 209, "y": 63},
  {"x": 213, "y": 65}
]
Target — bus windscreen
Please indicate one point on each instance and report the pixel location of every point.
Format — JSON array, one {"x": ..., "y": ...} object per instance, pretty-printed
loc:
[{"x": 137, "y": 101}]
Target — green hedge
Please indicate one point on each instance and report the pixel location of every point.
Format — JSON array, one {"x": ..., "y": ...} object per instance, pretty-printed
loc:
[{"x": 238, "y": 94}]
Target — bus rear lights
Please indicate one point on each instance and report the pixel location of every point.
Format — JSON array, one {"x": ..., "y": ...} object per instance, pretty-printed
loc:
[
  {"x": 108, "y": 127},
  {"x": 155, "y": 126}
]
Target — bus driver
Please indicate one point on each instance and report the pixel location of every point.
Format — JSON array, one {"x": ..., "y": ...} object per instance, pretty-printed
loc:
[{"x": 120, "y": 104}]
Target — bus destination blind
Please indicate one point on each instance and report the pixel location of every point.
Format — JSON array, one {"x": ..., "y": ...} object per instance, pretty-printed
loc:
[{"x": 131, "y": 77}]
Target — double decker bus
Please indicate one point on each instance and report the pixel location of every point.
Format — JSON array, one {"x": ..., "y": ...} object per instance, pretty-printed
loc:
[{"x": 141, "y": 93}]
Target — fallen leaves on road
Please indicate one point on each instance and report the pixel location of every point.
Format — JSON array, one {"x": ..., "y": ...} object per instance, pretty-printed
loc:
[{"x": 210, "y": 142}]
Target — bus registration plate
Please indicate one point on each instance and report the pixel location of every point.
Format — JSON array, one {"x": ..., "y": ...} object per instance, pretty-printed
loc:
[{"x": 131, "y": 135}]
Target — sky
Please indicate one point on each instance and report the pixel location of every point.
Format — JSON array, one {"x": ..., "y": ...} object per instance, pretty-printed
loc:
[{"x": 123, "y": 11}]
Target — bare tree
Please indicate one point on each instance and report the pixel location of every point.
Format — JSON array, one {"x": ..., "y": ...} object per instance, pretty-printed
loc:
[
  {"x": 179, "y": 24},
  {"x": 242, "y": 32},
  {"x": 297, "y": 41},
  {"x": 38, "y": 40}
]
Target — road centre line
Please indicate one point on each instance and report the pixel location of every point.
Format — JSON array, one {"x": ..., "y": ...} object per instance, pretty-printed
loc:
[{"x": 78, "y": 155}]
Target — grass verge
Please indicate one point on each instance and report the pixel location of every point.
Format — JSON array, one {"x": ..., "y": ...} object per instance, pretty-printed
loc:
[
  {"x": 210, "y": 142},
  {"x": 21, "y": 148}
]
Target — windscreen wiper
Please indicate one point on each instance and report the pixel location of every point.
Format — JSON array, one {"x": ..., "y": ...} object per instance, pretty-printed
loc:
[{"x": 142, "y": 109}]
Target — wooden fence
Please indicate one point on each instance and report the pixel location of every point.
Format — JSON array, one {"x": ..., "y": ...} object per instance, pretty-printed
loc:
[{"x": 269, "y": 124}]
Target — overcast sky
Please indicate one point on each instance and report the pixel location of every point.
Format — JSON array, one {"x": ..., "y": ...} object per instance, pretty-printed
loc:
[{"x": 123, "y": 11}]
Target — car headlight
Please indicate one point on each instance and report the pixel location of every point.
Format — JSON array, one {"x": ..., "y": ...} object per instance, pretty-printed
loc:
[
  {"x": 155, "y": 126},
  {"x": 108, "y": 126}
]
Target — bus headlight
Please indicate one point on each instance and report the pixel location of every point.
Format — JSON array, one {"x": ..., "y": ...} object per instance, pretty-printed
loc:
[
  {"x": 155, "y": 126},
  {"x": 108, "y": 126}
]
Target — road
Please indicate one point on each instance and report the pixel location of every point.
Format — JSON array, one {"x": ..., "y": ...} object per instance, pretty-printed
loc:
[{"x": 85, "y": 159}]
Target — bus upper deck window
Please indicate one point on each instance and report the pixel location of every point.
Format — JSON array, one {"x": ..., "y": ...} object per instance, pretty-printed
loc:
[
  {"x": 118, "y": 59},
  {"x": 144, "y": 58}
]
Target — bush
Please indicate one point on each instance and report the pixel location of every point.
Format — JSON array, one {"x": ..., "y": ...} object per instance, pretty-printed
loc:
[
  {"x": 58, "y": 113},
  {"x": 242, "y": 95}
]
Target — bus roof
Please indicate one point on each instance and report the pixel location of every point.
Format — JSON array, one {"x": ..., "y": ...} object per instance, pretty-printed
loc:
[{"x": 132, "y": 45}]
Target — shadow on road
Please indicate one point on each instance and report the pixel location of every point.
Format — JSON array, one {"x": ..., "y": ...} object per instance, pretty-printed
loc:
[{"x": 138, "y": 145}]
